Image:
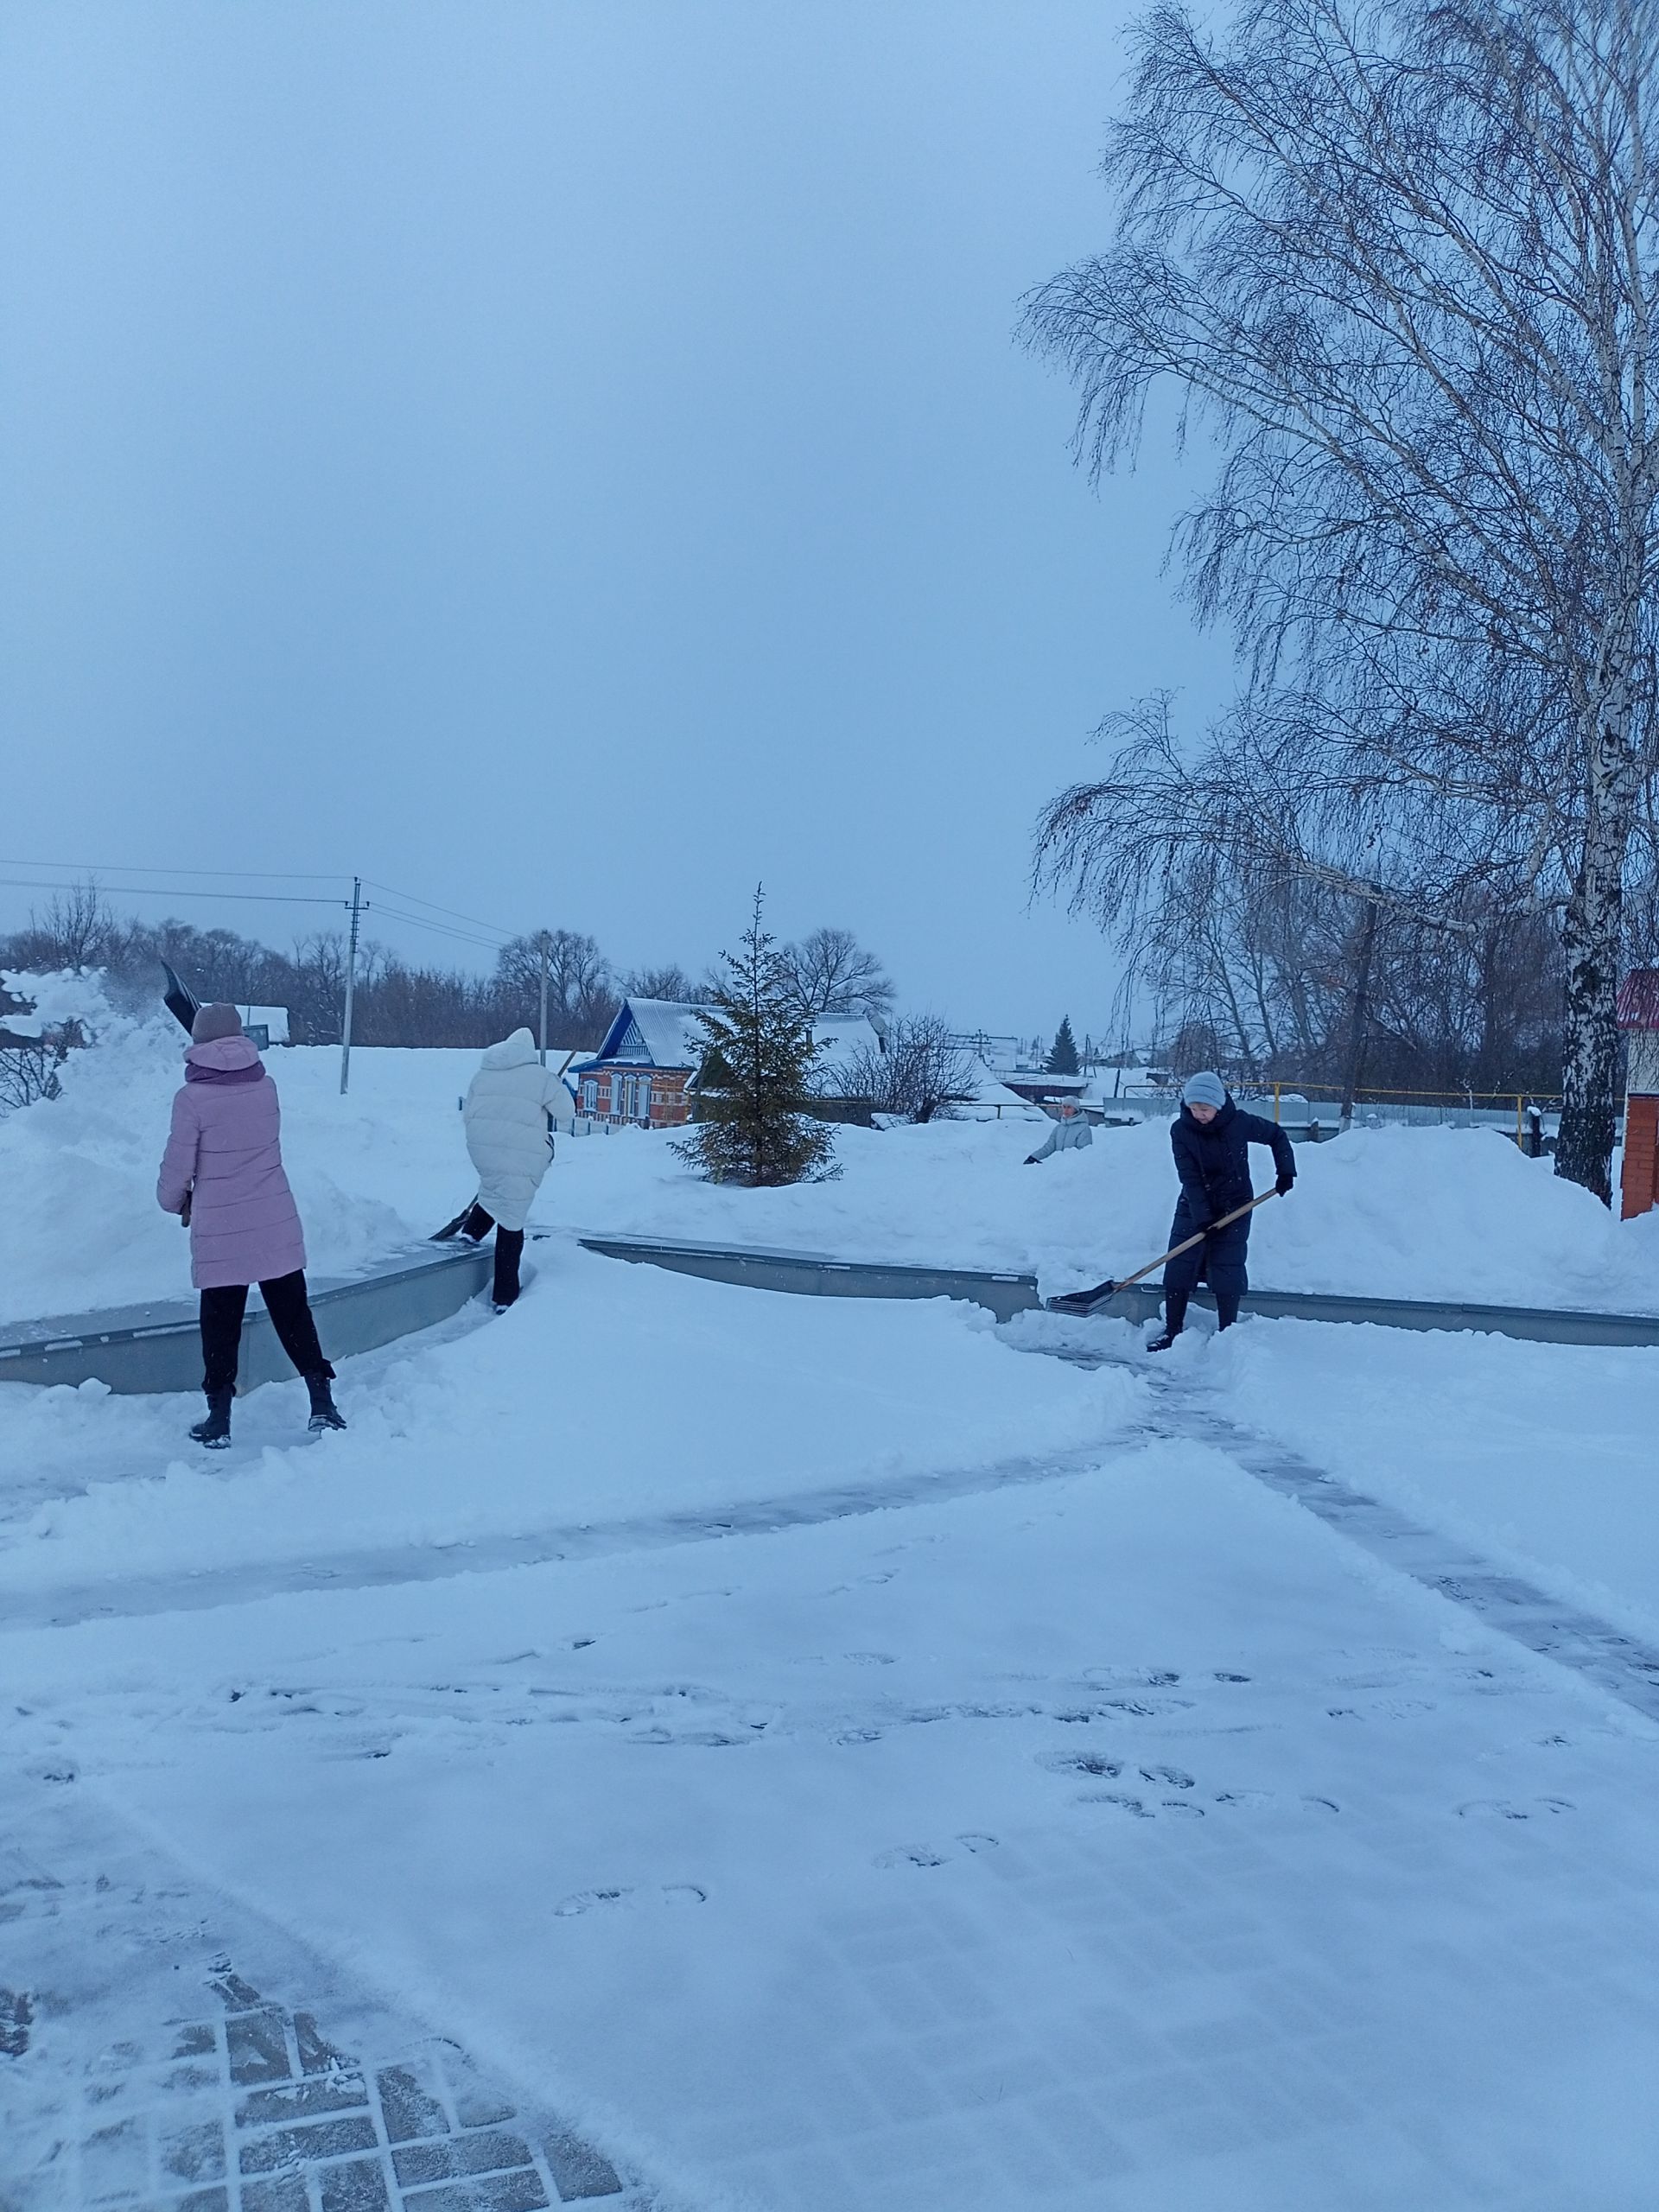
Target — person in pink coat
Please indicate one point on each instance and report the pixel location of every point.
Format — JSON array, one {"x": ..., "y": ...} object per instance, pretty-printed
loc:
[{"x": 222, "y": 1172}]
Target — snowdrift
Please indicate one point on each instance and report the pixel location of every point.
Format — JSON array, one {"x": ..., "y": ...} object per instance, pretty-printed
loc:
[{"x": 1397, "y": 1212}]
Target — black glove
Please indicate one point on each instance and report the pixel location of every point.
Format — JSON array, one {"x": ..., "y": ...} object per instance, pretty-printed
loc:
[{"x": 1284, "y": 1183}]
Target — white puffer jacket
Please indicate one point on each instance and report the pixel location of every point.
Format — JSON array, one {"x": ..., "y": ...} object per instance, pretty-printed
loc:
[{"x": 505, "y": 1120}]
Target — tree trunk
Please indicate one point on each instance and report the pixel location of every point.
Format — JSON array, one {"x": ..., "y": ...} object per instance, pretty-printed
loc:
[
  {"x": 1362, "y": 1008},
  {"x": 1589, "y": 939}
]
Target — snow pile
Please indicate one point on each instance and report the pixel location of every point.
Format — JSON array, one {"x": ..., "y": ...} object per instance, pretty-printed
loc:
[
  {"x": 80, "y": 1229},
  {"x": 59, "y": 996},
  {"x": 1397, "y": 1212}
]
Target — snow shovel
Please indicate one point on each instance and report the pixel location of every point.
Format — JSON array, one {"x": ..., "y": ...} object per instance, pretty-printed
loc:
[
  {"x": 183, "y": 1004},
  {"x": 452, "y": 1227},
  {"x": 1085, "y": 1301}
]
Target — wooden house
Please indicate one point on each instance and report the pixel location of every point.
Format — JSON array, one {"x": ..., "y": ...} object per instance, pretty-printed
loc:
[{"x": 644, "y": 1075}]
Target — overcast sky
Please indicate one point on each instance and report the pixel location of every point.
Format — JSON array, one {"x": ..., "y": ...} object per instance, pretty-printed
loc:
[{"x": 568, "y": 461}]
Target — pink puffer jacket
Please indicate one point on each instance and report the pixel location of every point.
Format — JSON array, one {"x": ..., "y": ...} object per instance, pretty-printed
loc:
[{"x": 225, "y": 1147}]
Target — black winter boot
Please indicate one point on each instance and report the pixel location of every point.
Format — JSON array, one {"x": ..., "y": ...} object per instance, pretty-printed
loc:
[
  {"x": 1174, "y": 1319},
  {"x": 325, "y": 1413},
  {"x": 215, "y": 1431}
]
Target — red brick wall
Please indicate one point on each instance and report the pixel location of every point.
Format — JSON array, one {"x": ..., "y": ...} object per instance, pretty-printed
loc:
[{"x": 1639, "y": 1184}]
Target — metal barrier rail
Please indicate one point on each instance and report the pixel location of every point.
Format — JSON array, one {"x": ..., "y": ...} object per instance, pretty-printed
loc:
[
  {"x": 158, "y": 1347},
  {"x": 816, "y": 1274}
]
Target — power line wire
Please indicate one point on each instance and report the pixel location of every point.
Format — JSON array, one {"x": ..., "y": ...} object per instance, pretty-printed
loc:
[
  {"x": 439, "y": 929},
  {"x": 161, "y": 891},
  {"x": 410, "y": 900},
  {"x": 242, "y": 875}
]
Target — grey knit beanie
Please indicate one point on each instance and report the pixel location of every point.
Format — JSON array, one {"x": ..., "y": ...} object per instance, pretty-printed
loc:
[
  {"x": 215, "y": 1021},
  {"x": 1203, "y": 1089}
]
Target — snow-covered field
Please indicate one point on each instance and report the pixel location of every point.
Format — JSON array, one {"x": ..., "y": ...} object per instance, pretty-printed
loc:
[{"x": 844, "y": 1753}]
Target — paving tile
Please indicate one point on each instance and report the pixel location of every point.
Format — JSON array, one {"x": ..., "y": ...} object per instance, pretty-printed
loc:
[
  {"x": 483, "y": 2153},
  {"x": 317, "y": 2053},
  {"x": 286, "y": 2194},
  {"x": 258, "y": 2048},
  {"x": 305, "y": 2100},
  {"x": 357, "y": 2185},
  {"x": 520, "y": 2191},
  {"x": 579, "y": 2170},
  {"x": 193, "y": 2154},
  {"x": 292, "y": 2146},
  {"x": 115, "y": 2161},
  {"x": 410, "y": 2111}
]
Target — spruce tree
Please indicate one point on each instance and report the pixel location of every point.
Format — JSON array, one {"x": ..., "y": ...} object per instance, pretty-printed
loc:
[
  {"x": 1063, "y": 1053},
  {"x": 758, "y": 1054}
]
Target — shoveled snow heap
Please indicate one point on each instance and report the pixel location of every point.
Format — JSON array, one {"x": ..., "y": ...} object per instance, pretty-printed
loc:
[{"x": 1422, "y": 1213}]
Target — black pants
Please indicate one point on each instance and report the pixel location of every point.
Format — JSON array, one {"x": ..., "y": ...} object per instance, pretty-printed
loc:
[
  {"x": 290, "y": 1316},
  {"x": 1220, "y": 1260},
  {"x": 509, "y": 1251}
]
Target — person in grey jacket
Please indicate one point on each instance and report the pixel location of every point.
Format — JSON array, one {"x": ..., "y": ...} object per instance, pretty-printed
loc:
[{"x": 1071, "y": 1133}]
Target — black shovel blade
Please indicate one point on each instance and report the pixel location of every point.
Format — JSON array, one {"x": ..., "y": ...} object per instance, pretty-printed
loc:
[
  {"x": 181, "y": 1004},
  {"x": 1083, "y": 1302}
]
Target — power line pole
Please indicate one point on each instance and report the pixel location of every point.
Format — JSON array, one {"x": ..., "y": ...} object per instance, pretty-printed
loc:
[
  {"x": 541, "y": 946},
  {"x": 350, "y": 987}
]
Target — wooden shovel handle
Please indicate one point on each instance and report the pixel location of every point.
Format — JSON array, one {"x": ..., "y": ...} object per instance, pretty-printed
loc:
[{"x": 1237, "y": 1214}]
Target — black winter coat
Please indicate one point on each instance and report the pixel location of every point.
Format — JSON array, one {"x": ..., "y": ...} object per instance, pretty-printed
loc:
[
  {"x": 1213, "y": 1161},
  {"x": 1214, "y": 1165}
]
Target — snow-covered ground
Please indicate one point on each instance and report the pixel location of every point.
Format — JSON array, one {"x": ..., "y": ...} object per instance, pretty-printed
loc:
[{"x": 845, "y": 1754}]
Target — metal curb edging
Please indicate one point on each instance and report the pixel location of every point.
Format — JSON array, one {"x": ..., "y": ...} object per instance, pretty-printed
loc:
[
  {"x": 157, "y": 1348},
  {"x": 1007, "y": 1294}
]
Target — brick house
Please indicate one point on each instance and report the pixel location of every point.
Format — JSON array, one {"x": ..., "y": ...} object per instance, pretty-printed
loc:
[
  {"x": 1638, "y": 1017},
  {"x": 644, "y": 1075}
]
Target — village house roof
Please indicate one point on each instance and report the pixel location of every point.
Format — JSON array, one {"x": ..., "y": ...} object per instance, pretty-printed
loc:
[{"x": 667, "y": 1033}]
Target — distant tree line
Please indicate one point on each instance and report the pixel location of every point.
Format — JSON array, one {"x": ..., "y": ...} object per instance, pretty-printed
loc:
[{"x": 403, "y": 1002}]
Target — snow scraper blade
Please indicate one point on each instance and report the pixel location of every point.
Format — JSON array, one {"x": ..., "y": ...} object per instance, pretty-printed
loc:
[
  {"x": 183, "y": 1005},
  {"x": 1081, "y": 1301},
  {"x": 1090, "y": 1302}
]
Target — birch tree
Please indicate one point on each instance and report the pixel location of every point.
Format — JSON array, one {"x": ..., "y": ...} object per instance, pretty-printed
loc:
[{"x": 1401, "y": 259}]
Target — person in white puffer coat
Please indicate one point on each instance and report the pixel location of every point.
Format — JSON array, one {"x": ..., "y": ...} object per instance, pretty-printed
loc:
[{"x": 505, "y": 1120}]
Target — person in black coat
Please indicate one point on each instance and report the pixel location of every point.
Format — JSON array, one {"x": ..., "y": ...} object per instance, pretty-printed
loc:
[{"x": 1212, "y": 1141}]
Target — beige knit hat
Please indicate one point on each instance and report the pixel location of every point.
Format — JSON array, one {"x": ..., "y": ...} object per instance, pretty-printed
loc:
[{"x": 215, "y": 1021}]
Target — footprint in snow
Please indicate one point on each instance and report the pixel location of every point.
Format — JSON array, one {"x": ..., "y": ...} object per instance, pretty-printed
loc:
[
  {"x": 928, "y": 1854},
  {"x": 1094, "y": 1762},
  {"x": 671, "y": 1893},
  {"x": 1173, "y": 1778},
  {"x": 1506, "y": 1809},
  {"x": 1261, "y": 1801},
  {"x": 703, "y": 1739},
  {"x": 1139, "y": 1810}
]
